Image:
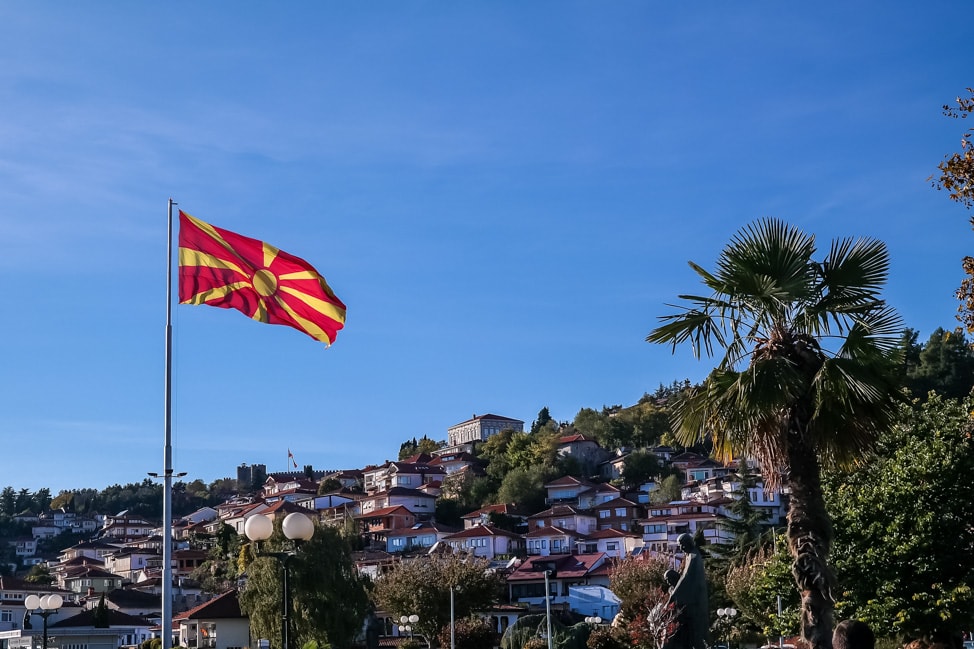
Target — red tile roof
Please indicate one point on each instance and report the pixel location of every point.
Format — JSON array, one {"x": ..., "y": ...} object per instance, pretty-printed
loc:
[
  {"x": 386, "y": 511},
  {"x": 482, "y": 530},
  {"x": 220, "y": 607},
  {"x": 566, "y": 566}
]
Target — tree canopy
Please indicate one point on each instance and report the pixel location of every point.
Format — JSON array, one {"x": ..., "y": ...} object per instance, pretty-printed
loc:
[
  {"x": 330, "y": 598},
  {"x": 422, "y": 587},
  {"x": 904, "y": 551},
  {"x": 806, "y": 373}
]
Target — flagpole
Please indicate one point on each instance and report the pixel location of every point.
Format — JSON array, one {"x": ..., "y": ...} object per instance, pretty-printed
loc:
[{"x": 166, "y": 630}]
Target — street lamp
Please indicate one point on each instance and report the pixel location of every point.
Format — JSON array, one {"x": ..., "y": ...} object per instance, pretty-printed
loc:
[
  {"x": 595, "y": 620},
  {"x": 547, "y": 603},
  {"x": 453, "y": 633},
  {"x": 298, "y": 528},
  {"x": 726, "y": 617},
  {"x": 407, "y": 623},
  {"x": 45, "y": 606}
]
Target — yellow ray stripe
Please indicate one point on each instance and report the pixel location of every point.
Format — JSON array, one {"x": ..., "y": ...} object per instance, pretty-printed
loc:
[
  {"x": 300, "y": 274},
  {"x": 308, "y": 326},
  {"x": 212, "y": 233},
  {"x": 319, "y": 305},
  {"x": 260, "y": 314},
  {"x": 270, "y": 253},
  {"x": 190, "y": 257},
  {"x": 221, "y": 291}
]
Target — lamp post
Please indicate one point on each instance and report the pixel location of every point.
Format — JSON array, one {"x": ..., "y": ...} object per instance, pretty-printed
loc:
[
  {"x": 453, "y": 634},
  {"x": 594, "y": 620},
  {"x": 547, "y": 603},
  {"x": 298, "y": 528},
  {"x": 407, "y": 623},
  {"x": 45, "y": 606},
  {"x": 726, "y": 617}
]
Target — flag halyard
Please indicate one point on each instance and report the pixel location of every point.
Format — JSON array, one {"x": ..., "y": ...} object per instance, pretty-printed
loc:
[{"x": 227, "y": 270}]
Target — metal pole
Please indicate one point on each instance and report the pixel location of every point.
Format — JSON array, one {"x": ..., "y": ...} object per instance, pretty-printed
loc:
[
  {"x": 44, "y": 615},
  {"x": 286, "y": 605},
  {"x": 453, "y": 642},
  {"x": 547, "y": 601},
  {"x": 166, "y": 622}
]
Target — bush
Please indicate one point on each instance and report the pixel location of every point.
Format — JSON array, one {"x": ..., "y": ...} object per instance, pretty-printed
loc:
[
  {"x": 607, "y": 637},
  {"x": 470, "y": 633}
]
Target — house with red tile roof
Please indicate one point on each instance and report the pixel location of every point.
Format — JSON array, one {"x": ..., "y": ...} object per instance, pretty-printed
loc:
[
  {"x": 377, "y": 523},
  {"x": 527, "y": 583},
  {"x": 216, "y": 624},
  {"x": 487, "y": 541},
  {"x": 420, "y": 536},
  {"x": 619, "y": 513},
  {"x": 420, "y": 503},
  {"x": 598, "y": 494},
  {"x": 81, "y": 631},
  {"x": 666, "y": 523},
  {"x": 566, "y": 517},
  {"x": 485, "y": 515},
  {"x": 550, "y": 540},
  {"x": 614, "y": 543},
  {"x": 566, "y": 490},
  {"x": 584, "y": 450}
]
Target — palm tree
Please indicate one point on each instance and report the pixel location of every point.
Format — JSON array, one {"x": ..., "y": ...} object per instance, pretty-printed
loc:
[{"x": 806, "y": 376}]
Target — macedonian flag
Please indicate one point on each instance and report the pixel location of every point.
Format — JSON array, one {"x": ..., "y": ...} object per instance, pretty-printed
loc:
[{"x": 227, "y": 270}]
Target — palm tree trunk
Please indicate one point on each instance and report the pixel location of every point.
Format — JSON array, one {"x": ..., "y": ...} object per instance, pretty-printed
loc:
[{"x": 809, "y": 540}]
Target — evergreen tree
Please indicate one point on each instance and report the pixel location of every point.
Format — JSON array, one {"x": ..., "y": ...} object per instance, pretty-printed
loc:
[
  {"x": 543, "y": 418},
  {"x": 100, "y": 617},
  {"x": 945, "y": 365}
]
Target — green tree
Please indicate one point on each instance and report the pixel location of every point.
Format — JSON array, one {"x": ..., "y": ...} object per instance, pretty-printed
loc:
[
  {"x": 422, "y": 587},
  {"x": 904, "y": 541},
  {"x": 470, "y": 633},
  {"x": 39, "y": 574},
  {"x": 957, "y": 179},
  {"x": 8, "y": 502},
  {"x": 524, "y": 486},
  {"x": 100, "y": 617},
  {"x": 807, "y": 373},
  {"x": 24, "y": 500},
  {"x": 746, "y": 522},
  {"x": 632, "y": 578},
  {"x": 328, "y": 485},
  {"x": 543, "y": 418},
  {"x": 640, "y": 467},
  {"x": 755, "y": 585},
  {"x": 670, "y": 489},
  {"x": 219, "y": 571},
  {"x": 330, "y": 598},
  {"x": 945, "y": 365},
  {"x": 41, "y": 500}
]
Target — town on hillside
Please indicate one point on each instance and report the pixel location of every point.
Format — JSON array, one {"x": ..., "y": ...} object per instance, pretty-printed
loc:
[{"x": 597, "y": 506}]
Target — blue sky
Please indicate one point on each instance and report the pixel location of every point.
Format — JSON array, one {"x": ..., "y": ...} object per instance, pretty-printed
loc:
[{"x": 504, "y": 194}]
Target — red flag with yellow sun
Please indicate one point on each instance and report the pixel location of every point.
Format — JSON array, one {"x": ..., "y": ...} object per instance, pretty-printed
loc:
[{"x": 230, "y": 271}]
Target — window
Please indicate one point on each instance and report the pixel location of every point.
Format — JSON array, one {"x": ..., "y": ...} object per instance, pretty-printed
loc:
[
  {"x": 398, "y": 542},
  {"x": 655, "y": 529},
  {"x": 621, "y": 512},
  {"x": 612, "y": 546},
  {"x": 6, "y": 616},
  {"x": 603, "y": 513}
]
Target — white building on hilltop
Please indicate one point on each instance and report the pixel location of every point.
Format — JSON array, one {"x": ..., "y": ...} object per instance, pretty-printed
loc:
[{"x": 480, "y": 427}]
